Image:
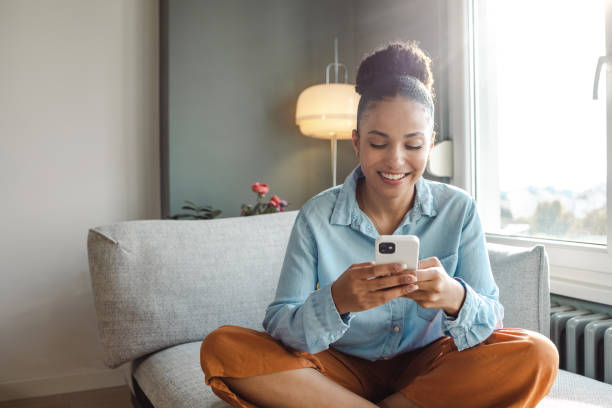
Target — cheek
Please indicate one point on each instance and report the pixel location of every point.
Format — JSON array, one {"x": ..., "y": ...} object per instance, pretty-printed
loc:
[
  {"x": 419, "y": 160},
  {"x": 369, "y": 155}
]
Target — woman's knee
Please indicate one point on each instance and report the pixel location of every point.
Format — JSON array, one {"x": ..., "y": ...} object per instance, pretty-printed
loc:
[
  {"x": 221, "y": 341},
  {"x": 542, "y": 353}
]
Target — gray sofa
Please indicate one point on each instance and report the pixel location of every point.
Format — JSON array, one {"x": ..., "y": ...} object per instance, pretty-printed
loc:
[{"x": 161, "y": 286}]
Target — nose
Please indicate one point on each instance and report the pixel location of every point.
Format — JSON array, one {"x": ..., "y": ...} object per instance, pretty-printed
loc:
[{"x": 395, "y": 156}]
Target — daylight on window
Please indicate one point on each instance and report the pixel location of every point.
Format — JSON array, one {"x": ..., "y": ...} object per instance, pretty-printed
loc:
[{"x": 551, "y": 133}]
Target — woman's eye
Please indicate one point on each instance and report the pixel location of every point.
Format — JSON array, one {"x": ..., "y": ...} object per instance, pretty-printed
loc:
[{"x": 382, "y": 146}]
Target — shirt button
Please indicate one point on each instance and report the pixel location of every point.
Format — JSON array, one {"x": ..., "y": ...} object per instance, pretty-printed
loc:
[{"x": 396, "y": 329}]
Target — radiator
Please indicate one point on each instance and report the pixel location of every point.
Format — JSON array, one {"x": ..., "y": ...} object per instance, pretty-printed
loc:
[{"x": 584, "y": 340}]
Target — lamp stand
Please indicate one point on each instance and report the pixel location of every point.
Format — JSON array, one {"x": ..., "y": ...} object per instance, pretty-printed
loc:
[
  {"x": 334, "y": 139},
  {"x": 334, "y": 146}
]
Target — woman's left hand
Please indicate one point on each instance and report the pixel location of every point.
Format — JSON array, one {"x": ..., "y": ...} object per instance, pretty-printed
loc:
[{"x": 436, "y": 289}]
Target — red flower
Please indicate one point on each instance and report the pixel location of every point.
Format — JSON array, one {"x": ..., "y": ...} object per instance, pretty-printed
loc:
[
  {"x": 260, "y": 188},
  {"x": 275, "y": 201}
]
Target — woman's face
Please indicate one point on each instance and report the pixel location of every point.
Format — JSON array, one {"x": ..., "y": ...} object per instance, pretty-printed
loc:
[{"x": 394, "y": 142}]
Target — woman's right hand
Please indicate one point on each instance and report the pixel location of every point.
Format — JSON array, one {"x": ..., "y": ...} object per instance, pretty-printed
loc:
[{"x": 354, "y": 292}]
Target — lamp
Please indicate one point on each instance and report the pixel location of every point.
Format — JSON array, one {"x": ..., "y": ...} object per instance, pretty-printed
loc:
[{"x": 328, "y": 111}]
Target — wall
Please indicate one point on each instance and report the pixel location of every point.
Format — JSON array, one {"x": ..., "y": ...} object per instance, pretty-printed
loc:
[
  {"x": 78, "y": 148},
  {"x": 236, "y": 69},
  {"x": 424, "y": 21}
]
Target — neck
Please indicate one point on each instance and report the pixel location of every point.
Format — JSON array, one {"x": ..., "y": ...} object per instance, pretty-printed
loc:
[{"x": 388, "y": 211}]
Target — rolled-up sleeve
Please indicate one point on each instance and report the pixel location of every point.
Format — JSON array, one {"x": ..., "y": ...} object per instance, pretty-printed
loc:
[
  {"x": 481, "y": 312},
  {"x": 300, "y": 316}
]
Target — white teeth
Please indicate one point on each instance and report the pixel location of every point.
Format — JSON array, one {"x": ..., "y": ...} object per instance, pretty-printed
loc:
[{"x": 392, "y": 176}]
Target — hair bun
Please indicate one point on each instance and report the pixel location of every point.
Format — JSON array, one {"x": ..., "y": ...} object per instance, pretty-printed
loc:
[{"x": 388, "y": 64}]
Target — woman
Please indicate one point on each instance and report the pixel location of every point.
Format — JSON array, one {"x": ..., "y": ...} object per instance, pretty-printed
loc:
[{"x": 426, "y": 338}]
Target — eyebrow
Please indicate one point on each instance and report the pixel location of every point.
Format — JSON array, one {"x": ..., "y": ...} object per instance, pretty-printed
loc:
[{"x": 413, "y": 134}]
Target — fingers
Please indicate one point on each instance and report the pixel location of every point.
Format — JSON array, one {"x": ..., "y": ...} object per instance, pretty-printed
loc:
[
  {"x": 391, "y": 281},
  {"x": 429, "y": 274},
  {"x": 387, "y": 295},
  {"x": 432, "y": 285},
  {"x": 361, "y": 270},
  {"x": 424, "y": 298},
  {"x": 370, "y": 270},
  {"x": 430, "y": 293},
  {"x": 429, "y": 263},
  {"x": 363, "y": 265},
  {"x": 387, "y": 269}
]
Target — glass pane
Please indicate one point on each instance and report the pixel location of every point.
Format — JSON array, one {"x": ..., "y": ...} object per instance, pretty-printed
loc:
[{"x": 541, "y": 138}]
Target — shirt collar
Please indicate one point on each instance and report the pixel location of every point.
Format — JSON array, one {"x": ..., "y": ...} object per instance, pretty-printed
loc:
[{"x": 347, "y": 212}]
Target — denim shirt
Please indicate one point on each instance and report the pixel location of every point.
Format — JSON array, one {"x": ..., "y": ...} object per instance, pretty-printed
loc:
[{"x": 331, "y": 233}]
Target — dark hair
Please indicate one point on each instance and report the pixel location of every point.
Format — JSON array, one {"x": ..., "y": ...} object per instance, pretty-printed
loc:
[{"x": 384, "y": 74}]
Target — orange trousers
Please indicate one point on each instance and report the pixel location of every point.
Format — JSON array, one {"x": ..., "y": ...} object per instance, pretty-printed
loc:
[{"x": 512, "y": 368}]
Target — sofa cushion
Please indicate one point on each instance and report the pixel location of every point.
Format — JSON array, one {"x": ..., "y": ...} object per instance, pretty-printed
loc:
[
  {"x": 158, "y": 283},
  {"x": 577, "y": 391},
  {"x": 172, "y": 378}
]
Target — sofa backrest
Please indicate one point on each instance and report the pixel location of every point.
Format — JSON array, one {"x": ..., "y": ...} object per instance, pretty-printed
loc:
[{"x": 159, "y": 283}]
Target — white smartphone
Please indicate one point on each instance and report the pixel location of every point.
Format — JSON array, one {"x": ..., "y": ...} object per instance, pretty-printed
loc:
[{"x": 397, "y": 248}]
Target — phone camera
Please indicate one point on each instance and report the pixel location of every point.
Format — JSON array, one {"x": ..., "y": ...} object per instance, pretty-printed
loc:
[{"x": 386, "y": 248}]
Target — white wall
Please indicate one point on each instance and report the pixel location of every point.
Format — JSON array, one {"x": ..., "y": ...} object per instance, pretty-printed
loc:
[{"x": 79, "y": 147}]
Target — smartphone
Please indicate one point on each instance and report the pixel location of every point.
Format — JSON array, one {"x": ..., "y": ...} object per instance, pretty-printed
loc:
[{"x": 397, "y": 248}]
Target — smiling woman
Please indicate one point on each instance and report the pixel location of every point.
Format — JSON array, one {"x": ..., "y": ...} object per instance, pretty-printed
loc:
[{"x": 336, "y": 337}]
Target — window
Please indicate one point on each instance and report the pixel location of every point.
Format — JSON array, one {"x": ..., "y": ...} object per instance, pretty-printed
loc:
[{"x": 531, "y": 144}]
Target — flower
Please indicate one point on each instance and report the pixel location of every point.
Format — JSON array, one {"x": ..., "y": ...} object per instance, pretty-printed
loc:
[
  {"x": 275, "y": 204},
  {"x": 260, "y": 188}
]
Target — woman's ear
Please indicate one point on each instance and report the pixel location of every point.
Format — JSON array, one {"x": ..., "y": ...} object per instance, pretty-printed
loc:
[{"x": 355, "y": 138}]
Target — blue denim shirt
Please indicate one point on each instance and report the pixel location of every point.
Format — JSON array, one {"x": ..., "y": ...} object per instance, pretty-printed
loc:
[{"x": 331, "y": 233}]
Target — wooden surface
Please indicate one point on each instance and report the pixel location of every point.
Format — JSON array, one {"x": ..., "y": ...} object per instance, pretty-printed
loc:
[{"x": 114, "y": 397}]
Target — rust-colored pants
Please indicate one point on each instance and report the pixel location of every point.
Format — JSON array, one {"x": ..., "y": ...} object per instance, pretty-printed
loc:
[{"x": 512, "y": 368}]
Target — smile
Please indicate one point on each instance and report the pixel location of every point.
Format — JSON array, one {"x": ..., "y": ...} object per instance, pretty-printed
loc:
[{"x": 393, "y": 176}]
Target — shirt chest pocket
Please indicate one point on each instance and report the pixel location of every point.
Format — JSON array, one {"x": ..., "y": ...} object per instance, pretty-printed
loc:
[{"x": 450, "y": 265}]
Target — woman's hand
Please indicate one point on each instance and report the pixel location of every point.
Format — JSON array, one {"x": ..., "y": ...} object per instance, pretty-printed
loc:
[
  {"x": 436, "y": 289},
  {"x": 354, "y": 292}
]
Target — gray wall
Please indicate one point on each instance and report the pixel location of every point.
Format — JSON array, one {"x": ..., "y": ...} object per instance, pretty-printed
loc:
[
  {"x": 236, "y": 69},
  {"x": 381, "y": 21}
]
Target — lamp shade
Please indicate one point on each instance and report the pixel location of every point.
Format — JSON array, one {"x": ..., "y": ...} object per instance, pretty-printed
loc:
[{"x": 327, "y": 109}]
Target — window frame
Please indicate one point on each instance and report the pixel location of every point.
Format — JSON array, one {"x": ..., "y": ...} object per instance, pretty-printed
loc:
[{"x": 582, "y": 271}]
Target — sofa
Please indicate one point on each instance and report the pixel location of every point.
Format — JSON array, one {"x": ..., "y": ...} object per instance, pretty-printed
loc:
[{"x": 161, "y": 286}]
